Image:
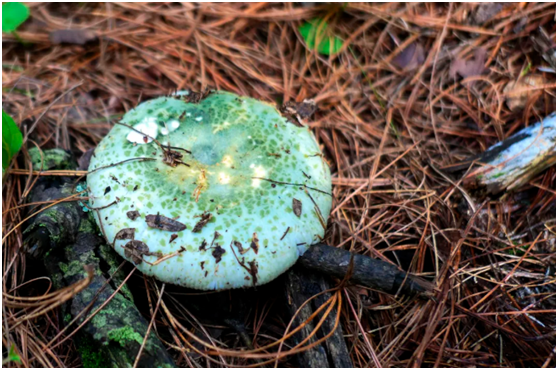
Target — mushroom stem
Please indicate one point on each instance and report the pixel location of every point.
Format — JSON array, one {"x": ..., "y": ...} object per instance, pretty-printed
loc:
[{"x": 366, "y": 271}]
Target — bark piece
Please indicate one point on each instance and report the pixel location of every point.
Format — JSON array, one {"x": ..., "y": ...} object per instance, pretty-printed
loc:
[
  {"x": 515, "y": 161},
  {"x": 300, "y": 285},
  {"x": 366, "y": 271}
]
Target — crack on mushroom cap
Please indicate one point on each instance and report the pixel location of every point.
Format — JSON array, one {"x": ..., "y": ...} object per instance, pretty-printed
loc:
[{"x": 237, "y": 193}]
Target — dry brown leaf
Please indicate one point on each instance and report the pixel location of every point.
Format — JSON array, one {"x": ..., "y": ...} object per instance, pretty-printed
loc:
[
  {"x": 468, "y": 68},
  {"x": 486, "y": 12},
  {"x": 85, "y": 158},
  {"x": 78, "y": 37},
  {"x": 517, "y": 92},
  {"x": 164, "y": 223},
  {"x": 410, "y": 58}
]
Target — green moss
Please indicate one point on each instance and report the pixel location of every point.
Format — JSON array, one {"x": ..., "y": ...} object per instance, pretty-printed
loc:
[
  {"x": 497, "y": 175},
  {"x": 63, "y": 267},
  {"x": 99, "y": 320},
  {"x": 91, "y": 356},
  {"x": 86, "y": 227},
  {"x": 73, "y": 268},
  {"x": 49, "y": 159},
  {"x": 125, "y": 335}
]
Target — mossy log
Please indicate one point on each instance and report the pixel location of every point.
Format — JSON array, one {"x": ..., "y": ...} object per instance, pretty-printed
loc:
[{"x": 67, "y": 239}]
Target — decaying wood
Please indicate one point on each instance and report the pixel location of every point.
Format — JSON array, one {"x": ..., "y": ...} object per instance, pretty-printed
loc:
[
  {"x": 301, "y": 285},
  {"x": 366, "y": 271},
  {"x": 513, "y": 162},
  {"x": 67, "y": 239}
]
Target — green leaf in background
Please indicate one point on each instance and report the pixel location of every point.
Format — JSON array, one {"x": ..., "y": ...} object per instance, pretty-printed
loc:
[
  {"x": 12, "y": 356},
  {"x": 11, "y": 139},
  {"x": 13, "y": 15},
  {"x": 318, "y": 30}
]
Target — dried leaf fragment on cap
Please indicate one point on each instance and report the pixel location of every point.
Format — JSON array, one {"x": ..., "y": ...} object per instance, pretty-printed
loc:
[{"x": 164, "y": 223}]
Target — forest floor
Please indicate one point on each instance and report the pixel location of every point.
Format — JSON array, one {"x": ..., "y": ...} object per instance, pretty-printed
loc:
[{"x": 403, "y": 91}]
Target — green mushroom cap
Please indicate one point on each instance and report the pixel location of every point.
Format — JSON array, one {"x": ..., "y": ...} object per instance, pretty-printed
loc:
[{"x": 211, "y": 194}]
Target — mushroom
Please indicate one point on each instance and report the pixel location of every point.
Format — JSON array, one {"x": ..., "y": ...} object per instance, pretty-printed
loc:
[{"x": 210, "y": 192}]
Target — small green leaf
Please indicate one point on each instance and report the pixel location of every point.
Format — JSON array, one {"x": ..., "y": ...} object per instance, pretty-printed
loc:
[
  {"x": 13, "y": 15},
  {"x": 12, "y": 356},
  {"x": 11, "y": 139},
  {"x": 318, "y": 31},
  {"x": 526, "y": 70}
]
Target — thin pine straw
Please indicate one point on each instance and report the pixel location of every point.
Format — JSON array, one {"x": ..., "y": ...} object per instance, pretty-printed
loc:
[{"x": 385, "y": 133}]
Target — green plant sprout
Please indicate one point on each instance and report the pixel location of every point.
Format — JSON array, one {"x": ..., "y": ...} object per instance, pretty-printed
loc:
[{"x": 12, "y": 356}]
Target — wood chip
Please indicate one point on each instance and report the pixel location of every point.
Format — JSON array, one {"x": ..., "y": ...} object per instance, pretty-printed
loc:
[
  {"x": 306, "y": 108},
  {"x": 195, "y": 96},
  {"x": 296, "y": 112}
]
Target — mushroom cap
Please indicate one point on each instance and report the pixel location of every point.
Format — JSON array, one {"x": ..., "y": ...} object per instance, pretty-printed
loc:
[{"x": 216, "y": 194}]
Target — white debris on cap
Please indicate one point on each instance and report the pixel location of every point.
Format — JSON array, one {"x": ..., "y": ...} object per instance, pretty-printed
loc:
[{"x": 148, "y": 128}]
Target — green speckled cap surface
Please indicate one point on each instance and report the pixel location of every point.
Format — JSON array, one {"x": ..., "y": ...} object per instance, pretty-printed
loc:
[{"x": 245, "y": 193}]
